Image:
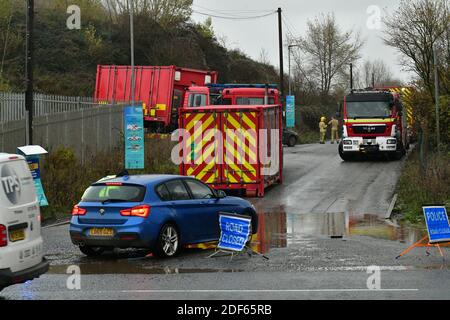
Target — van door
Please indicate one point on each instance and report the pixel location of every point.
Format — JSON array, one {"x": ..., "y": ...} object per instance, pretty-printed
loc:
[{"x": 19, "y": 209}]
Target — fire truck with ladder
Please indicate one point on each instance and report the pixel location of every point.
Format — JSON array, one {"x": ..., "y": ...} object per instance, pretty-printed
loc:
[{"x": 375, "y": 122}]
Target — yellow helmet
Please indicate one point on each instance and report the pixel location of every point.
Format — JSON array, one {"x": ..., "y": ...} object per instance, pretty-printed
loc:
[{"x": 323, "y": 119}]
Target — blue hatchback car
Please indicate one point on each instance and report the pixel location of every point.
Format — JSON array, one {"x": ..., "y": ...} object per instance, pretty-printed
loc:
[{"x": 159, "y": 212}]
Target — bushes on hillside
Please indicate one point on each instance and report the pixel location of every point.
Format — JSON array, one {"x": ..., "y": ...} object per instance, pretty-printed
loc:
[{"x": 65, "y": 178}]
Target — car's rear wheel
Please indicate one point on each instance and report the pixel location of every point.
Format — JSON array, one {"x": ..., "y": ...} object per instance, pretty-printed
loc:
[
  {"x": 168, "y": 241},
  {"x": 92, "y": 251}
]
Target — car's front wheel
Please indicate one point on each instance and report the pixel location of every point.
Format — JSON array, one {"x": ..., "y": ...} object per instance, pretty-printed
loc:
[
  {"x": 168, "y": 241},
  {"x": 91, "y": 251}
]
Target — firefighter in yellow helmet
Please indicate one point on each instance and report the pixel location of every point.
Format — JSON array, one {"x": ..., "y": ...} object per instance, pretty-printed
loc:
[
  {"x": 334, "y": 130},
  {"x": 323, "y": 129}
]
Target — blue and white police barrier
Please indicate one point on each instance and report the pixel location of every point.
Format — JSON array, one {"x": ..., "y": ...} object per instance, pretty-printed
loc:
[
  {"x": 438, "y": 228},
  {"x": 437, "y": 223}
]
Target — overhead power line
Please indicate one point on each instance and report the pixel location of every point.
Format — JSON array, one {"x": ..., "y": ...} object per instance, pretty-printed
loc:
[
  {"x": 233, "y": 12},
  {"x": 290, "y": 25},
  {"x": 235, "y": 17},
  {"x": 288, "y": 29}
]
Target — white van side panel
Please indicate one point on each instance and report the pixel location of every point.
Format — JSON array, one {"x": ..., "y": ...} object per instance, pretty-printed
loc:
[{"x": 19, "y": 205}]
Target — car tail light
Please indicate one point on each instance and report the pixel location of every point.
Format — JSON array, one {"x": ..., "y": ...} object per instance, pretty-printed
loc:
[
  {"x": 113, "y": 183},
  {"x": 138, "y": 211},
  {"x": 77, "y": 211},
  {"x": 3, "y": 236}
]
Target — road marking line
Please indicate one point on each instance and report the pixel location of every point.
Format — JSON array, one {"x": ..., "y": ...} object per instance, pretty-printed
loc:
[{"x": 263, "y": 290}]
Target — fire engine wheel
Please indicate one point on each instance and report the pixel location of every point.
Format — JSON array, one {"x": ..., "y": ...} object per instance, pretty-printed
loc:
[
  {"x": 399, "y": 153},
  {"x": 345, "y": 156}
]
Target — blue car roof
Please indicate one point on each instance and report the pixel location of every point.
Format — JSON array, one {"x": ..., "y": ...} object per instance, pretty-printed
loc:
[{"x": 143, "y": 179}]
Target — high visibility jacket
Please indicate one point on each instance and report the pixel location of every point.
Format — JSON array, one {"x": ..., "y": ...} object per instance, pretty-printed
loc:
[
  {"x": 334, "y": 124},
  {"x": 322, "y": 127}
]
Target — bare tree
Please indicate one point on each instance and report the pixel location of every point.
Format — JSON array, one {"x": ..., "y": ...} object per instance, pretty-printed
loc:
[
  {"x": 328, "y": 50},
  {"x": 413, "y": 29},
  {"x": 376, "y": 71},
  {"x": 264, "y": 57},
  {"x": 165, "y": 12}
]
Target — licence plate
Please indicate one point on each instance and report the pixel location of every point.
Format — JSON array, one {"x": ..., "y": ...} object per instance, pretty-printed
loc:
[
  {"x": 101, "y": 232},
  {"x": 17, "y": 235}
]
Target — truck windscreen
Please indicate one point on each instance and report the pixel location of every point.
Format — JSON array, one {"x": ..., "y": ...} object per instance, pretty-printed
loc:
[{"x": 368, "y": 109}]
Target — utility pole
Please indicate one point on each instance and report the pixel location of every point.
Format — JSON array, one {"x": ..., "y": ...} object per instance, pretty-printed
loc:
[
  {"x": 289, "y": 69},
  {"x": 373, "y": 80},
  {"x": 29, "y": 73},
  {"x": 436, "y": 96},
  {"x": 132, "y": 52},
  {"x": 351, "y": 77},
  {"x": 280, "y": 40},
  {"x": 289, "y": 65}
]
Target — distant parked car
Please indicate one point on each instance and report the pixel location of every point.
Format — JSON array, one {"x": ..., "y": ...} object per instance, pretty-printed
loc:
[
  {"x": 21, "y": 248},
  {"x": 290, "y": 138},
  {"x": 159, "y": 212}
]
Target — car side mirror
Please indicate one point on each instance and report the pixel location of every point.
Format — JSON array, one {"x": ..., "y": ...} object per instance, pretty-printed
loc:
[{"x": 221, "y": 194}]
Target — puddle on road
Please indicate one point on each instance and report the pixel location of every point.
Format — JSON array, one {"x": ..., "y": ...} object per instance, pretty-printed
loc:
[
  {"x": 125, "y": 267},
  {"x": 278, "y": 229}
]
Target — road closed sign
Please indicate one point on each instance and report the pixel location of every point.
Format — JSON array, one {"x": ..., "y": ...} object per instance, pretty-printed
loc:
[
  {"x": 437, "y": 223},
  {"x": 235, "y": 230}
]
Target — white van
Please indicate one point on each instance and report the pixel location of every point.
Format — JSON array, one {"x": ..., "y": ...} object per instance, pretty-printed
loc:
[{"x": 21, "y": 249}]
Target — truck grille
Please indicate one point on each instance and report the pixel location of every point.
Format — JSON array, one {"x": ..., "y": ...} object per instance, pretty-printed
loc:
[{"x": 369, "y": 129}]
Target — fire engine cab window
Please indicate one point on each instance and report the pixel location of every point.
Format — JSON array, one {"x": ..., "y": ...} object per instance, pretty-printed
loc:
[
  {"x": 253, "y": 101},
  {"x": 372, "y": 109},
  {"x": 197, "y": 100}
]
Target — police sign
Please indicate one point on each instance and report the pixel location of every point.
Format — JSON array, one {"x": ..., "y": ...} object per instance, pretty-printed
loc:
[
  {"x": 235, "y": 231},
  {"x": 437, "y": 223}
]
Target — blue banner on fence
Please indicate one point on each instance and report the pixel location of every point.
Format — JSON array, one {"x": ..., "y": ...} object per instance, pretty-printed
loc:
[
  {"x": 134, "y": 138},
  {"x": 235, "y": 231},
  {"x": 33, "y": 164},
  {"x": 290, "y": 111},
  {"x": 437, "y": 223}
]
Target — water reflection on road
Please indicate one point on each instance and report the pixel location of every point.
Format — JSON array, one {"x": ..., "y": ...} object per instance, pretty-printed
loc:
[{"x": 278, "y": 229}]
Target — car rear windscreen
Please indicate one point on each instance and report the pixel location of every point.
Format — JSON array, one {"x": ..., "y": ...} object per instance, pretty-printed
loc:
[{"x": 106, "y": 192}]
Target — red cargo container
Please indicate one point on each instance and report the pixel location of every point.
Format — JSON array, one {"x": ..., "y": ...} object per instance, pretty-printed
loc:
[
  {"x": 231, "y": 147},
  {"x": 160, "y": 89}
]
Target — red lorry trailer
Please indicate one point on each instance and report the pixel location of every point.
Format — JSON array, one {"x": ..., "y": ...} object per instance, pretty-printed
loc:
[
  {"x": 161, "y": 89},
  {"x": 232, "y": 147},
  {"x": 374, "y": 123}
]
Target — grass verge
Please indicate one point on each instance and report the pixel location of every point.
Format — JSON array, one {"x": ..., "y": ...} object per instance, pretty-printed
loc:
[{"x": 417, "y": 187}]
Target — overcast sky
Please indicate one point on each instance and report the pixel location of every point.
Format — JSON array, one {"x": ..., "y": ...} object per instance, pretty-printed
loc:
[{"x": 253, "y": 35}]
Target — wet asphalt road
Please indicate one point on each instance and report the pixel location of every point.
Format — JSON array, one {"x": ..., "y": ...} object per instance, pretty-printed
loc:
[{"x": 321, "y": 197}]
